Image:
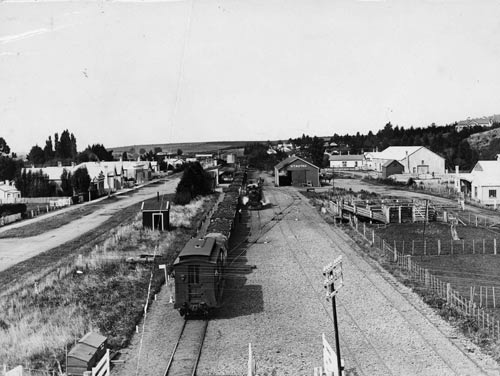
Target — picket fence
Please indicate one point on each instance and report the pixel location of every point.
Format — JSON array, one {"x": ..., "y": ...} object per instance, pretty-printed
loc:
[{"x": 464, "y": 306}]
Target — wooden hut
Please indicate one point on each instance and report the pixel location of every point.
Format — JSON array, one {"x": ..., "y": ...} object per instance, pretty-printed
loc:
[{"x": 156, "y": 215}]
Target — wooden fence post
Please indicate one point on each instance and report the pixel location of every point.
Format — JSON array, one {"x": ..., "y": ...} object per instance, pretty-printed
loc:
[
  {"x": 476, "y": 220},
  {"x": 364, "y": 230},
  {"x": 473, "y": 246},
  {"x": 494, "y": 298},
  {"x": 463, "y": 246},
  {"x": 451, "y": 241},
  {"x": 495, "y": 246},
  {"x": 439, "y": 247},
  {"x": 448, "y": 292},
  {"x": 425, "y": 246},
  {"x": 412, "y": 247},
  {"x": 484, "y": 246},
  {"x": 426, "y": 278},
  {"x": 373, "y": 237}
]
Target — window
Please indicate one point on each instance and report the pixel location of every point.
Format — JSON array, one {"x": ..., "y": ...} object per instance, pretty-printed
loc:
[
  {"x": 492, "y": 193},
  {"x": 344, "y": 164}
]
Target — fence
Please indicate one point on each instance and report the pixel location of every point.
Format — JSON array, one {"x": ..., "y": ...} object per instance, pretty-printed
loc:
[
  {"x": 464, "y": 306},
  {"x": 9, "y": 219}
]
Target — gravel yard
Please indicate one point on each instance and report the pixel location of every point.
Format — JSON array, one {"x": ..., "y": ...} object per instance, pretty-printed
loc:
[{"x": 279, "y": 307}]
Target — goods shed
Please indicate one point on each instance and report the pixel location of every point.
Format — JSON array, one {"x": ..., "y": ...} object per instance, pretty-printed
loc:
[
  {"x": 297, "y": 172},
  {"x": 156, "y": 215}
]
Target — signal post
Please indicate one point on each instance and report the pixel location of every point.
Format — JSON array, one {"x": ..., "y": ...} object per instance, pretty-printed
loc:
[{"x": 333, "y": 275}]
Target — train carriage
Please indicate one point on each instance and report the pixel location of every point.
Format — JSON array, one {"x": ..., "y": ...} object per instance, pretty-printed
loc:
[{"x": 199, "y": 275}]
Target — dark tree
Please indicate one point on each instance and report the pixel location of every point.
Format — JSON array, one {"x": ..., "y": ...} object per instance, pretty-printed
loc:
[
  {"x": 66, "y": 187},
  {"x": 9, "y": 168},
  {"x": 48, "y": 150},
  {"x": 98, "y": 152},
  {"x": 80, "y": 180},
  {"x": 157, "y": 150},
  {"x": 34, "y": 184},
  {"x": 36, "y": 155},
  {"x": 124, "y": 156},
  {"x": 179, "y": 152},
  {"x": 4, "y": 148},
  {"x": 194, "y": 182}
]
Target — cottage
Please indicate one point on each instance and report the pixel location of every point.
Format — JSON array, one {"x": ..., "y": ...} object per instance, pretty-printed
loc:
[
  {"x": 8, "y": 193},
  {"x": 483, "y": 182},
  {"x": 347, "y": 162},
  {"x": 297, "y": 172}
]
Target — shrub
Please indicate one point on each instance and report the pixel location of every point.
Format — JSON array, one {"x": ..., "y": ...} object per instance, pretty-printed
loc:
[
  {"x": 194, "y": 182},
  {"x": 9, "y": 209}
]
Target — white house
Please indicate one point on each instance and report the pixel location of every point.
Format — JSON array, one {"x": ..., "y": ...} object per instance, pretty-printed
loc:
[
  {"x": 485, "y": 182},
  {"x": 8, "y": 193},
  {"x": 417, "y": 160},
  {"x": 348, "y": 161}
]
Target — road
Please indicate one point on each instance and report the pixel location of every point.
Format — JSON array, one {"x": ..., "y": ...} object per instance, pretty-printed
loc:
[{"x": 14, "y": 250}]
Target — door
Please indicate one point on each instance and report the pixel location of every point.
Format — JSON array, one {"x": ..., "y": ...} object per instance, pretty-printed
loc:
[
  {"x": 194, "y": 286},
  {"x": 157, "y": 221}
]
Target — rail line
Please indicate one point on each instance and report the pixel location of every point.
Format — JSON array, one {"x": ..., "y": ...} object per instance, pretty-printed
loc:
[
  {"x": 187, "y": 350},
  {"x": 342, "y": 243}
]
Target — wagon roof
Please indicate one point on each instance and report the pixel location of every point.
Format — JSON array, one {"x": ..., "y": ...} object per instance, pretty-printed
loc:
[{"x": 198, "y": 247}]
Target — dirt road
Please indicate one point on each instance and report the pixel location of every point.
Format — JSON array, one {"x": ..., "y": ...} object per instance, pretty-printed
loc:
[{"x": 14, "y": 250}]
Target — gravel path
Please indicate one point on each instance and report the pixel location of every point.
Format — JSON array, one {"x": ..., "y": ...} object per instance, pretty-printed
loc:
[{"x": 277, "y": 304}]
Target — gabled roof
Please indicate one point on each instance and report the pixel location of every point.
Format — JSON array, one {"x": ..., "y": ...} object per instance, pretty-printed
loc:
[
  {"x": 389, "y": 162},
  {"x": 486, "y": 173},
  {"x": 8, "y": 188},
  {"x": 53, "y": 172},
  {"x": 347, "y": 157},
  {"x": 396, "y": 152},
  {"x": 290, "y": 160}
]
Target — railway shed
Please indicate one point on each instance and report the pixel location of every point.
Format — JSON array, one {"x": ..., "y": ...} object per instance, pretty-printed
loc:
[
  {"x": 156, "y": 216},
  {"x": 297, "y": 172}
]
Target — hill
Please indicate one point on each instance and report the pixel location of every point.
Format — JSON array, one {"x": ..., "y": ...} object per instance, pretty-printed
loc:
[
  {"x": 186, "y": 147},
  {"x": 487, "y": 143}
]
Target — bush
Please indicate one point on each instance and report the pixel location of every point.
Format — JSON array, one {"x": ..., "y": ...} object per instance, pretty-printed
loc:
[
  {"x": 9, "y": 209},
  {"x": 194, "y": 182}
]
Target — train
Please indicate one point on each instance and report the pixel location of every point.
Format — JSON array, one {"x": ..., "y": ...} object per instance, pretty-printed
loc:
[{"x": 199, "y": 275}]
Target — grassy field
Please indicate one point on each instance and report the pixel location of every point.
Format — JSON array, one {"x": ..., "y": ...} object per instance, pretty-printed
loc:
[{"x": 53, "y": 299}]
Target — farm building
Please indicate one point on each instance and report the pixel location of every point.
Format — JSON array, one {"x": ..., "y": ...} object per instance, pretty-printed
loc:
[
  {"x": 8, "y": 193},
  {"x": 348, "y": 161},
  {"x": 297, "y": 172},
  {"x": 416, "y": 160},
  {"x": 392, "y": 168},
  {"x": 156, "y": 216},
  {"x": 483, "y": 182}
]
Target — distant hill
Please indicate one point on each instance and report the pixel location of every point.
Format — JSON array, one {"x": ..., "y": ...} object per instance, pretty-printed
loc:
[{"x": 186, "y": 147}]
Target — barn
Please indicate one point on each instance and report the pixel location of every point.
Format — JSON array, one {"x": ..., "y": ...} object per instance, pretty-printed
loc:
[
  {"x": 392, "y": 168},
  {"x": 156, "y": 215},
  {"x": 297, "y": 172}
]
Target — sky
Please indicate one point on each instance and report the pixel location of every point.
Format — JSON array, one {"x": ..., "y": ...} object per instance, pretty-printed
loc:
[{"x": 126, "y": 73}]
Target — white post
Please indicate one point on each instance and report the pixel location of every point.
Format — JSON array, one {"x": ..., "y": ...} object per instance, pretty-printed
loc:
[
  {"x": 495, "y": 246},
  {"x": 439, "y": 247}
]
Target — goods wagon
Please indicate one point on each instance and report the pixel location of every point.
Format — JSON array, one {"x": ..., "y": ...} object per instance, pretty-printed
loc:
[{"x": 199, "y": 275}]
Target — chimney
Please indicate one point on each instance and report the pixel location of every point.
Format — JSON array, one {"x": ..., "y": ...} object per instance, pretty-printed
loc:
[
  {"x": 59, "y": 164},
  {"x": 498, "y": 157},
  {"x": 73, "y": 164},
  {"x": 456, "y": 170}
]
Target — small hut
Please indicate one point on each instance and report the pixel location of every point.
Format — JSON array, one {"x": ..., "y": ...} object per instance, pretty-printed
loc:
[
  {"x": 156, "y": 215},
  {"x": 86, "y": 354},
  {"x": 392, "y": 167}
]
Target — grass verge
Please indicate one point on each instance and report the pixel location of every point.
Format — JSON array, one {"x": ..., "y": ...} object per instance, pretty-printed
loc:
[{"x": 87, "y": 284}]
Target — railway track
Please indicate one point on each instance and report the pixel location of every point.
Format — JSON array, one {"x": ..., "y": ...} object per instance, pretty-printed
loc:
[
  {"x": 309, "y": 264},
  {"x": 187, "y": 351}
]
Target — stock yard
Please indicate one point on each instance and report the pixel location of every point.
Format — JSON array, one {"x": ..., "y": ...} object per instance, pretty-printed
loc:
[{"x": 274, "y": 299}]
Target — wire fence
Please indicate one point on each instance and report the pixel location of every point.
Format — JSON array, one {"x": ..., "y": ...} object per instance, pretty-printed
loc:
[{"x": 464, "y": 306}]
